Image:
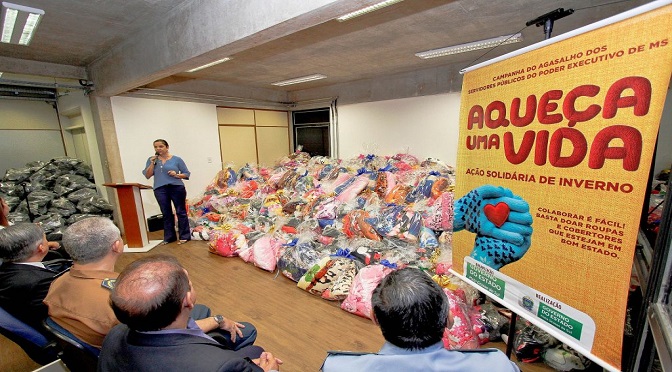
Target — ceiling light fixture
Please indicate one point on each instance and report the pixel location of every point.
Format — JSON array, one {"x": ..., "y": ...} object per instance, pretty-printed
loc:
[
  {"x": 301, "y": 79},
  {"x": 468, "y": 47},
  {"x": 368, "y": 9},
  {"x": 210, "y": 64},
  {"x": 19, "y": 23}
]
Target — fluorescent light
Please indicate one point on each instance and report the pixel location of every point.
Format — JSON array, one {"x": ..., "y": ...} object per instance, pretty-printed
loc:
[
  {"x": 8, "y": 25},
  {"x": 29, "y": 29},
  {"x": 368, "y": 9},
  {"x": 301, "y": 79},
  {"x": 468, "y": 47},
  {"x": 210, "y": 64},
  {"x": 19, "y": 23}
]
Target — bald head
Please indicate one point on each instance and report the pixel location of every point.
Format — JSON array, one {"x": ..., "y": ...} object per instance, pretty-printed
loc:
[{"x": 149, "y": 293}]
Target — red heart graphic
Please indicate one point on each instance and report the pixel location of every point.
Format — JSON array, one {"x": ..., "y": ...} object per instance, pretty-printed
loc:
[{"x": 497, "y": 213}]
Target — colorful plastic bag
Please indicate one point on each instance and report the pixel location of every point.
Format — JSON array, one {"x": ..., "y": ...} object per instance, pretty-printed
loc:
[{"x": 358, "y": 300}]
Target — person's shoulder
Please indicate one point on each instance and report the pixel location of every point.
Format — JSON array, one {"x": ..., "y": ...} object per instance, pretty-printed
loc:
[
  {"x": 480, "y": 351},
  {"x": 489, "y": 359},
  {"x": 487, "y": 353},
  {"x": 460, "y": 360},
  {"x": 337, "y": 361},
  {"x": 118, "y": 330},
  {"x": 22, "y": 269},
  {"x": 351, "y": 353}
]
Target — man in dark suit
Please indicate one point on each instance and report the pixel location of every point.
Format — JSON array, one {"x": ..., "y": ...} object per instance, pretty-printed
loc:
[
  {"x": 24, "y": 279},
  {"x": 153, "y": 298}
]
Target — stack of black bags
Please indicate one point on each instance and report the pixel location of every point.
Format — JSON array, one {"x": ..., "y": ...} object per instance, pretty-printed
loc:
[{"x": 57, "y": 194}]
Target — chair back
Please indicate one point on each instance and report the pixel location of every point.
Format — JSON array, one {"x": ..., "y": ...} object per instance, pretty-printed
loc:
[
  {"x": 36, "y": 345},
  {"x": 77, "y": 355}
]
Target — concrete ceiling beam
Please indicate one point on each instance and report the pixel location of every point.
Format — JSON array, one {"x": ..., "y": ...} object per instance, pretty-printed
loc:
[
  {"x": 203, "y": 31},
  {"x": 53, "y": 70}
]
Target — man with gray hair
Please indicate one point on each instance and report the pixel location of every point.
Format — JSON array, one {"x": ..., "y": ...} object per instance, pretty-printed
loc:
[
  {"x": 24, "y": 278},
  {"x": 78, "y": 300}
]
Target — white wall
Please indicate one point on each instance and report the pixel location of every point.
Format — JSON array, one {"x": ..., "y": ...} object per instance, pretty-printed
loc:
[
  {"x": 29, "y": 131},
  {"x": 189, "y": 128},
  {"x": 429, "y": 126},
  {"x": 422, "y": 126}
]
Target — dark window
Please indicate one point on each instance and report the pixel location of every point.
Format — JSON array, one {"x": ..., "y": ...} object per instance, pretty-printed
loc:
[{"x": 311, "y": 131}]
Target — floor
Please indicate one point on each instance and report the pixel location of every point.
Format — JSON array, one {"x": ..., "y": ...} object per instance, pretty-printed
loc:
[{"x": 294, "y": 325}]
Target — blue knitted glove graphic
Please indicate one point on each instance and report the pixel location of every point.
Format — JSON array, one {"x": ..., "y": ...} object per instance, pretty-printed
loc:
[
  {"x": 470, "y": 215},
  {"x": 496, "y": 253}
]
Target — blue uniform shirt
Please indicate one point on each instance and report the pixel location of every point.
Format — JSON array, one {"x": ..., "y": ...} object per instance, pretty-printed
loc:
[
  {"x": 391, "y": 358},
  {"x": 161, "y": 177}
]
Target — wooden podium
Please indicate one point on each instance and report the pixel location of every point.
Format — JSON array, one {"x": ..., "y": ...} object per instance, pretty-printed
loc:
[{"x": 133, "y": 217}]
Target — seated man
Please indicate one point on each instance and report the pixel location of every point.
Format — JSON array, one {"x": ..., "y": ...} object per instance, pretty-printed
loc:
[
  {"x": 24, "y": 279},
  {"x": 56, "y": 251},
  {"x": 79, "y": 300},
  {"x": 153, "y": 298},
  {"x": 4, "y": 212},
  {"x": 412, "y": 312}
]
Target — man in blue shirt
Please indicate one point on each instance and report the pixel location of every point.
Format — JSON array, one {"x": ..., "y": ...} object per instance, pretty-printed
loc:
[{"x": 412, "y": 312}]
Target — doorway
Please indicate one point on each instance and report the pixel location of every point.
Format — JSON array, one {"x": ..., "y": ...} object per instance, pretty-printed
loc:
[{"x": 79, "y": 141}]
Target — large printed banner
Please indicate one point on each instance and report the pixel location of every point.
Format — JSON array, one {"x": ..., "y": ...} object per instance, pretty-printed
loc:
[{"x": 554, "y": 154}]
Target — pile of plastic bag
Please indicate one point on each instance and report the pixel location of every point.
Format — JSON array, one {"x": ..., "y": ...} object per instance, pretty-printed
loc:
[
  {"x": 58, "y": 194},
  {"x": 335, "y": 227},
  {"x": 338, "y": 227},
  {"x": 391, "y": 210}
]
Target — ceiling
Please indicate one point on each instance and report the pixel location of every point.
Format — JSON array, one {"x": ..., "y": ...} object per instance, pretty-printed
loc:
[{"x": 143, "y": 47}]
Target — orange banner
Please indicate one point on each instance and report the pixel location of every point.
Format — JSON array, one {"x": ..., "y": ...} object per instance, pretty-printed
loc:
[{"x": 569, "y": 130}]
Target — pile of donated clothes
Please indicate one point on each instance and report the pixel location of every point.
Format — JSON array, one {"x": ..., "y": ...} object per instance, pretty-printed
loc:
[{"x": 337, "y": 227}]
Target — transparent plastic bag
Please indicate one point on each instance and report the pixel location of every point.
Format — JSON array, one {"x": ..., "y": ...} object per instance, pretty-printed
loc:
[
  {"x": 80, "y": 216},
  {"x": 39, "y": 201},
  {"x": 51, "y": 222},
  {"x": 16, "y": 174},
  {"x": 63, "y": 206},
  {"x": 68, "y": 183},
  {"x": 94, "y": 205},
  {"x": 80, "y": 194}
]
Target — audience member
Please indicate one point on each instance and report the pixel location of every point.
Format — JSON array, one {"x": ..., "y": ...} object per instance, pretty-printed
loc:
[
  {"x": 412, "y": 312},
  {"x": 79, "y": 300},
  {"x": 56, "y": 251},
  {"x": 24, "y": 279},
  {"x": 153, "y": 298},
  {"x": 4, "y": 212}
]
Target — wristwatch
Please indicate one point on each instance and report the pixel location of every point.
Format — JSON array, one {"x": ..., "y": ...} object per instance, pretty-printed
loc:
[{"x": 219, "y": 319}]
